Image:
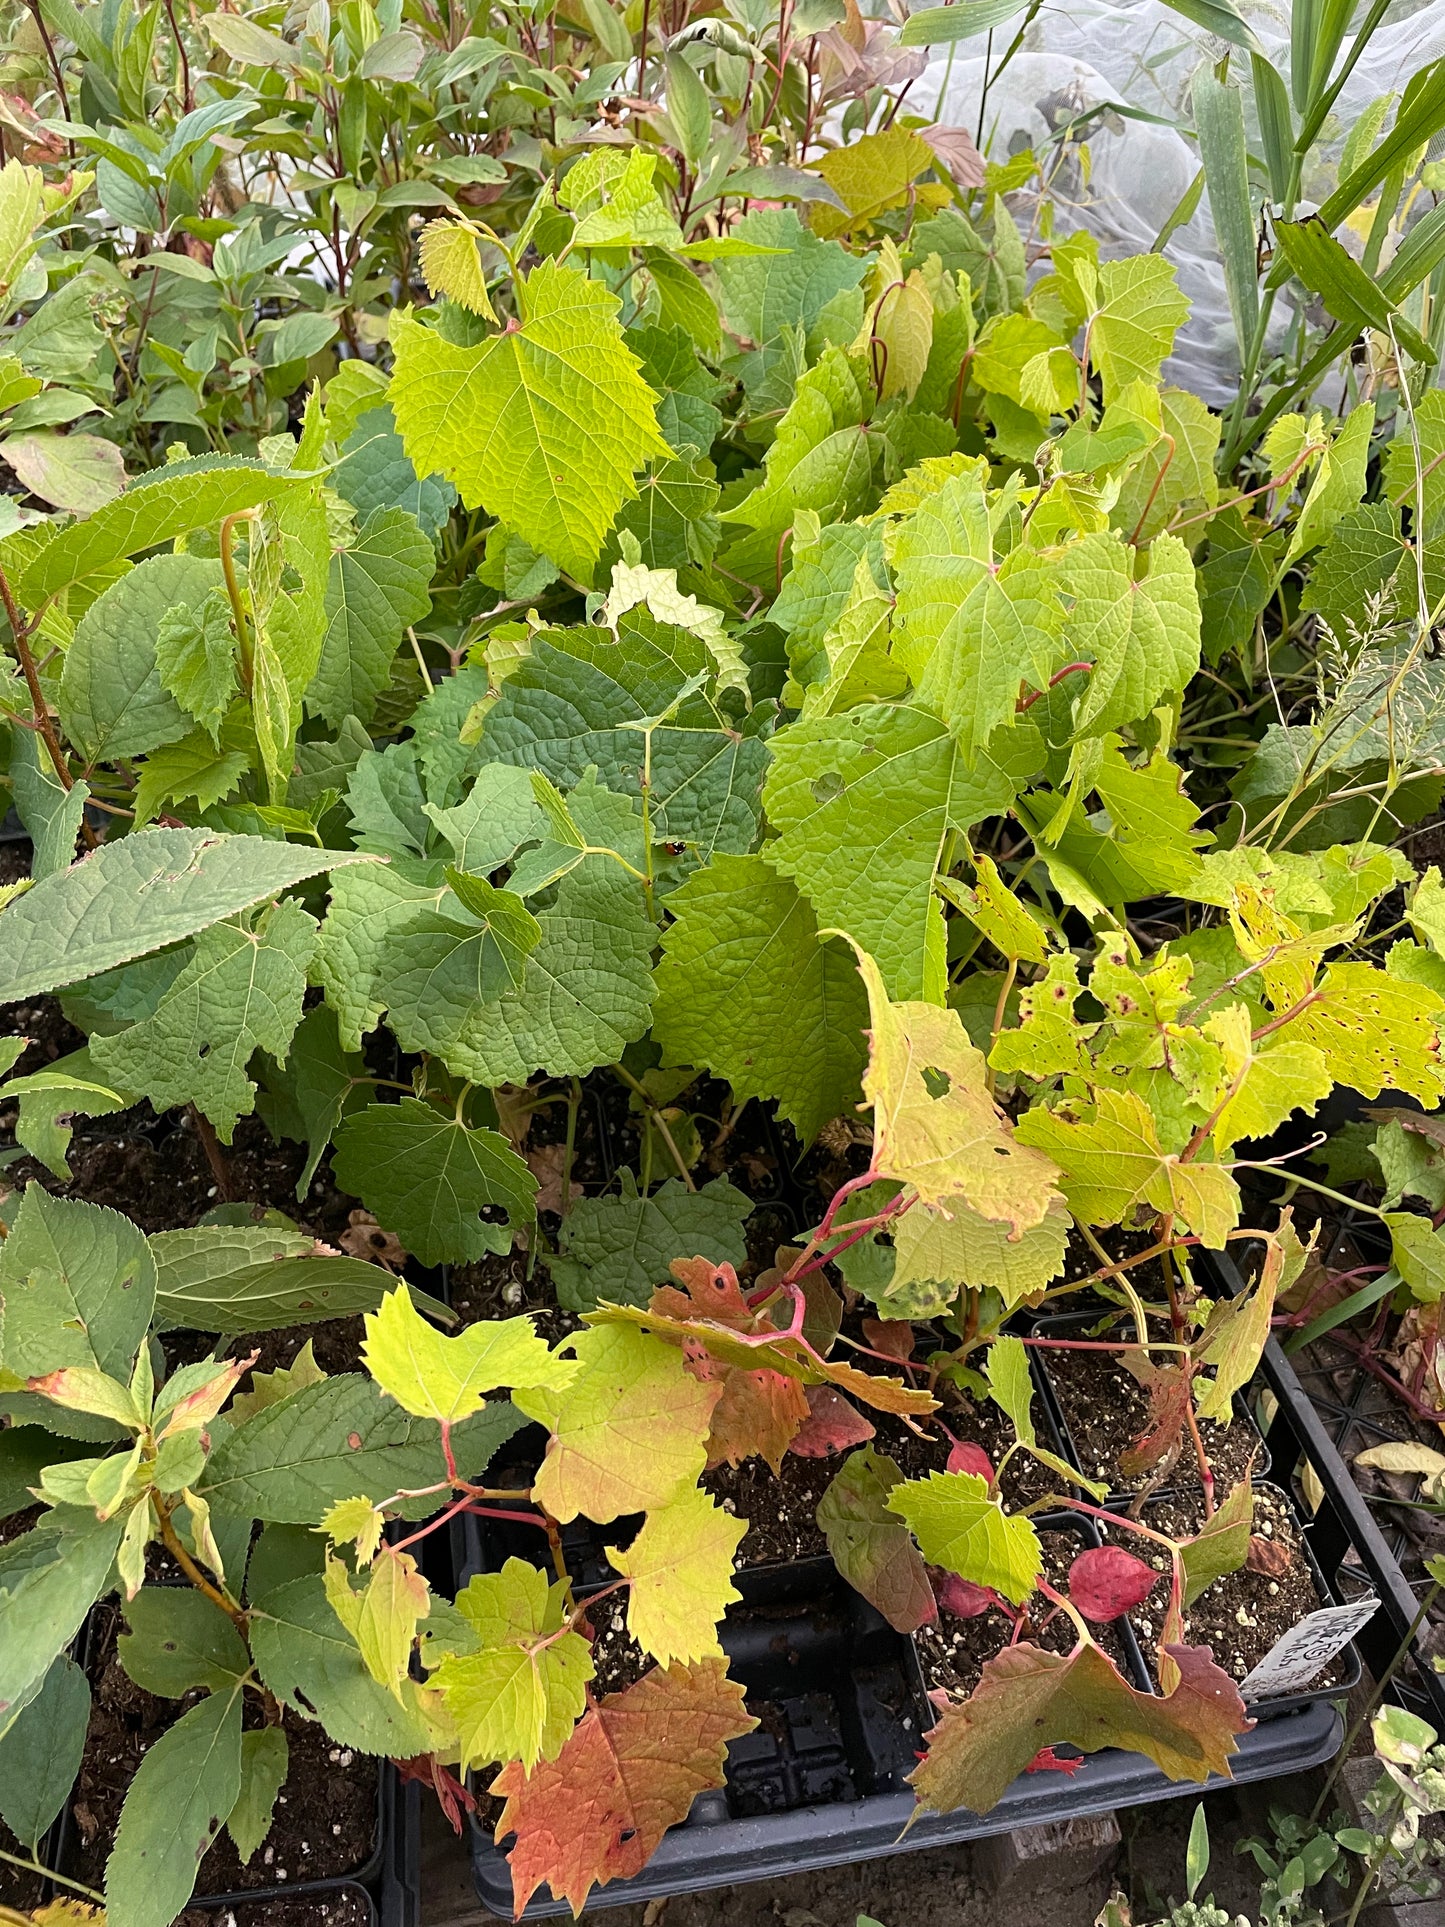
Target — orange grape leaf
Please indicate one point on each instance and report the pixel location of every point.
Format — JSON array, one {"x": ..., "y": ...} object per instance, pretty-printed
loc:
[
  {"x": 1029, "y": 1699},
  {"x": 757, "y": 1350},
  {"x": 631, "y": 1770},
  {"x": 935, "y": 1124},
  {"x": 832, "y": 1425},
  {"x": 627, "y": 1432},
  {"x": 1162, "y": 1439},
  {"x": 760, "y": 1410}
]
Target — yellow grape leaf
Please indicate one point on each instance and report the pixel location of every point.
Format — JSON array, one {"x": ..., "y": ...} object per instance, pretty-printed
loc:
[
  {"x": 1047, "y": 1039},
  {"x": 1112, "y": 1163},
  {"x": 935, "y": 1125},
  {"x": 355, "y": 1522},
  {"x": 269, "y": 1388},
  {"x": 1282, "y": 1075},
  {"x": 632, "y": 1428},
  {"x": 520, "y": 1696},
  {"x": 869, "y": 176},
  {"x": 1426, "y": 909},
  {"x": 382, "y": 1618},
  {"x": 448, "y": 1378},
  {"x": 451, "y": 265},
  {"x": 935, "y": 1255},
  {"x": 959, "y": 1527},
  {"x": 1288, "y": 957},
  {"x": 1376, "y": 1032},
  {"x": 680, "y": 1565},
  {"x": 1008, "y": 923}
]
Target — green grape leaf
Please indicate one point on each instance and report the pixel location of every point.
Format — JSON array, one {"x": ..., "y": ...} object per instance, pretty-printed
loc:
[
  {"x": 959, "y": 1527},
  {"x": 631, "y": 1428},
  {"x": 113, "y": 701},
  {"x": 747, "y": 989},
  {"x": 448, "y": 1378},
  {"x": 319, "y": 1084},
  {"x": 1006, "y": 920},
  {"x": 177, "y": 1639},
  {"x": 311, "y": 1663},
  {"x": 1219, "y": 1547},
  {"x": 1141, "y": 631},
  {"x": 874, "y": 1553},
  {"x": 543, "y": 427},
  {"x": 139, "y": 894},
  {"x": 1417, "y": 1251},
  {"x": 972, "y": 634},
  {"x": 1029, "y": 1698},
  {"x": 427, "y": 1178},
  {"x": 374, "y": 589},
  {"x": 1011, "y": 1385},
  {"x": 495, "y": 818},
  {"x": 240, "y": 992},
  {"x": 340, "y": 1439},
  {"x": 1112, "y": 1163},
  {"x": 631, "y": 1769},
  {"x": 584, "y": 699},
  {"x": 763, "y": 294},
  {"x": 374, "y": 472},
  {"x": 679, "y": 1569},
  {"x": 519, "y": 1697},
  {"x": 368, "y": 905},
  {"x": 451, "y": 265},
  {"x": 382, "y": 1618},
  {"x": 936, "y": 1126},
  {"x": 175, "y": 1806},
  {"x": 586, "y": 990},
  {"x": 863, "y": 803},
  {"x": 1131, "y": 332},
  {"x": 195, "y": 650},
  {"x": 620, "y": 1248},
  {"x": 194, "y": 769}
]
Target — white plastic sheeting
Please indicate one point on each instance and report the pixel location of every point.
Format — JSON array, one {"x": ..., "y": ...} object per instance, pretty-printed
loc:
[{"x": 1143, "y": 55}]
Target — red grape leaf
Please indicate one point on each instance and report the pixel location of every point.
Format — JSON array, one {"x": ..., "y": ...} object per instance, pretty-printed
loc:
[
  {"x": 961, "y": 1598},
  {"x": 965, "y": 1456},
  {"x": 1162, "y": 1439},
  {"x": 1028, "y": 1699},
  {"x": 631, "y": 1770},
  {"x": 1106, "y": 1581},
  {"x": 832, "y": 1425},
  {"x": 871, "y": 1547}
]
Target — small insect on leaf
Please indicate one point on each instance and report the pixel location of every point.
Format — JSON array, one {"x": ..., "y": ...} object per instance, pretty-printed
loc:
[{"x": 1106, "y": 1581}]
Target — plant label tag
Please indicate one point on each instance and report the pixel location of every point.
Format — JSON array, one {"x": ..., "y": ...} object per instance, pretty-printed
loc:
[{"x": 1300, "y": 1655}]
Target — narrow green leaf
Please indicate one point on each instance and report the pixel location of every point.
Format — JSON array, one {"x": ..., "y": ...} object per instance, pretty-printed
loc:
[
  {"x": 1219, "y": 118},
  {"x": 180, "y": 1798},
  {"x": 40, "y": 1755}
]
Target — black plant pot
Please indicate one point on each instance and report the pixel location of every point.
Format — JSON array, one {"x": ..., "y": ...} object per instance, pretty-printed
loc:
[
  {"x": 1185, "y": 1474},
  {"x": 387, "y": 1881}
]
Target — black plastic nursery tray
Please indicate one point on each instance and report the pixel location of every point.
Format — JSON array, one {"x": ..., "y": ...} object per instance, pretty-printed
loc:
[{"x": 822, "y": 1780}]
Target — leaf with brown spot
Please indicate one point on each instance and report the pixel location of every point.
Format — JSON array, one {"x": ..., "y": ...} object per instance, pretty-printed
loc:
[
  {"x": 1267, "y": 1556},
  {"x": 631, "y": 1770},
  {"x": 1028, "y": 1699},
  {"x": 1162, "y": 1439}
]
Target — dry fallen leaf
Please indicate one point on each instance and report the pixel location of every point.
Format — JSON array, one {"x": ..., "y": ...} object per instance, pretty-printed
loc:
[{"x": 364, "y": 1238}]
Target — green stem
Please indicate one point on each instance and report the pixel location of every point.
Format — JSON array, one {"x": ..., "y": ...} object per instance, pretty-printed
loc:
[{"x": 34, "y": 1866}]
